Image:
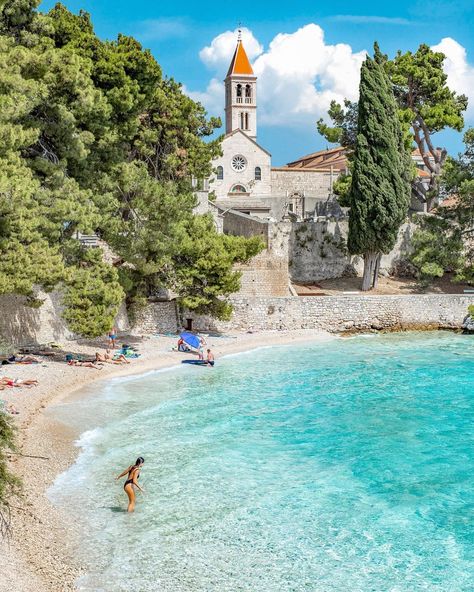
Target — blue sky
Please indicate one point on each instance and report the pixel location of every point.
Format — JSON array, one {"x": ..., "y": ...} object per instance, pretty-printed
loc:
[{"x": 289, "y": 102}]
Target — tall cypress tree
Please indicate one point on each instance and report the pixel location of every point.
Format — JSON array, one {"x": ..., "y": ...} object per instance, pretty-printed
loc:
[{"x": 380, "y": 189}]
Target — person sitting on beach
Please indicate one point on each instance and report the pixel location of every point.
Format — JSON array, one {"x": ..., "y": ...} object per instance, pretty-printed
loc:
[
  {"x": 182, "y": 347},
  {"x": 108, "y": 358},
  {"x": 133, "y": 472},
  {"x": 210, "y": 361},
  {"x": 120, "y": 359}
]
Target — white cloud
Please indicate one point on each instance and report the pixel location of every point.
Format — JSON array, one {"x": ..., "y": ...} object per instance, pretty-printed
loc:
[
  {"x": 222, "y": 48},
  {"x": 298, "y": 75},
  {"x": 460, "y": 72}
]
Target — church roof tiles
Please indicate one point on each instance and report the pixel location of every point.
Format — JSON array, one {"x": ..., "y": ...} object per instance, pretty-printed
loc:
[{"x": 240, "y": 63}]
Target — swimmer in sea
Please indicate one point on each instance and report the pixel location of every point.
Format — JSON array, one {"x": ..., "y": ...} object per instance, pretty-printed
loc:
[{"x": 133, "y": 472}]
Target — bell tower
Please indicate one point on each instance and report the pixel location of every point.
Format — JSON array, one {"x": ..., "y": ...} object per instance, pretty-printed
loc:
[{"x": 241, "y": 94}]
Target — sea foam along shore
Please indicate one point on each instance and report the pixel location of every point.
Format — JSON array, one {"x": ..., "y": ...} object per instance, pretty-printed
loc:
[{"x": 40, "y": 556}]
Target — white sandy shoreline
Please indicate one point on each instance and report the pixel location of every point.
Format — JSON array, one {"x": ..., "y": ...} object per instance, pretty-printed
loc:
[{"x": 41, "y": 555}]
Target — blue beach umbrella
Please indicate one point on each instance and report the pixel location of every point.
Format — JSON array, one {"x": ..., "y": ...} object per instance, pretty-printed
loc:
[{"x": 191, "y": 340}]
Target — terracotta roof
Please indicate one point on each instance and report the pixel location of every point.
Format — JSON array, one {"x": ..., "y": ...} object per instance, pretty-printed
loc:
[
  {"x": 323, "y": 159},
  {"x": 449, "y": 202},
  {"x": 416, "y": 152},
  {"x": 240, "y": 63},
  {"x": 335, "y": 159},
  {"x": 421, "y": 173}
]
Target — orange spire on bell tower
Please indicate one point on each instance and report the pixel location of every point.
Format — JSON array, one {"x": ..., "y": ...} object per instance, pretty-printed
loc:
[
  {"x": 240, "y": 63},
  {"x": 241, "y": 93}
]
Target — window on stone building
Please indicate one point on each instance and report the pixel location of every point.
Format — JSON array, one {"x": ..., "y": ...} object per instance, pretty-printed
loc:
[
  {"x": 220, "y": 173},
  {"x": 248, "y": 93},
  {"x": 238, "y": 163},
  {"x": 239, "y": 93},
  {"x": 242, "y": 121},
  {"x": 238, "y": 189},
  {"x": 246, "y": 121},
  {"x": 258, "y": 174}
]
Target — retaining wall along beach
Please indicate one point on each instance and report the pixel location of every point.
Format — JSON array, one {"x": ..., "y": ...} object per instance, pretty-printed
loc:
[
  {"x": 20, "y": 324},
  {"x": 343, "y": 313}
]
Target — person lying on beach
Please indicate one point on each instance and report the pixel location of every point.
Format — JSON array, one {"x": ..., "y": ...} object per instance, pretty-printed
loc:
[
  {"x": 18, "y": 382},
  {"x": 84, "y": 364},
  {"x": 133, "y": 473},
  {"x": 14, "y": 359}
]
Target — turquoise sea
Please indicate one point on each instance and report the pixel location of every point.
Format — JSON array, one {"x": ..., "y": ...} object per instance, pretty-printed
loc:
[{"x": 344, "y": 466}]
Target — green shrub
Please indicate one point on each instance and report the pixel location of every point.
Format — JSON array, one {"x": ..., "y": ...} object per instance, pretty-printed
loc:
[{"x": 9, "y": 484}]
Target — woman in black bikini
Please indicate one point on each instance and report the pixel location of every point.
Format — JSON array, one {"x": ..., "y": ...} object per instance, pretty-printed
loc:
[{"x": 133, "y": 472}]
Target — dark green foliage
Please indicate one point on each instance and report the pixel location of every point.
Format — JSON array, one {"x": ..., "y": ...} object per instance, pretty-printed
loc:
[
  {"x": 9, "y": 484},
  {"x": 94, "y": 140},
  {"x": 444, "y": 241},
  {"x": 204, "y": 267},
  {"x": 425, "y": 104},
  {"x": 344, "y": 124},
  {"x": 380, "y": 189},
  {"x": 92, "y": 297}
]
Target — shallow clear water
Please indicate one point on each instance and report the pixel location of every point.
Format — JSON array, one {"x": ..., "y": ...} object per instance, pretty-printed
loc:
[{"x": 331, "y": 467}]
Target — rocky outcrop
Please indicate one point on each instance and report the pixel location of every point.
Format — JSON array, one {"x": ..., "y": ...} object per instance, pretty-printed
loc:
[{"x": 468, "y": 324}]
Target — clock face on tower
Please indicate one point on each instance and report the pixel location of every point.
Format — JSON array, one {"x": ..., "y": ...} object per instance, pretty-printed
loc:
[{"x": 239, "y": 163}]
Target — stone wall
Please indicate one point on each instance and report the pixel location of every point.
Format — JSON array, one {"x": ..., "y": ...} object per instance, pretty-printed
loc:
[
  {"x": 266, "y": 275},
  {"x": 238, "y": 224},
  {"x": 315, "y": 183},
  {"x": 21, "y": 324},
  {"x": 343, "y": 313},
  {"x": 317, "y": 251},
  {"x": 156, "y": 317}
]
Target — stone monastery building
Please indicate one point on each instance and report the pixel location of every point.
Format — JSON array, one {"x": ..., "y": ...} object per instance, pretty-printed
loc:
[{"x": 244, "y": 178}]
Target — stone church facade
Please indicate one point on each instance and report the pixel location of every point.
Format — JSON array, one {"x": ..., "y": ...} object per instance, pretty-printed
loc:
[{"x": 244, "y": 179}]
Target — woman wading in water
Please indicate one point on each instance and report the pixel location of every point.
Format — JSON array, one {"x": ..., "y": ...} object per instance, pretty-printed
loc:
[{"x": 133, "y": 472}]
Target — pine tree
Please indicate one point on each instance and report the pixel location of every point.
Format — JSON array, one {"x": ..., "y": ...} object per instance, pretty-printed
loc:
[{"x": 380, "y": 189}]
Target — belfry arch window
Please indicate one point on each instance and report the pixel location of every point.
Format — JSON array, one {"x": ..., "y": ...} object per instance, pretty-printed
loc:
[
  {"x": 244, "y": 121},
  {"x": 238, "y": 189},
  {"x": 220, "y": 173},
  {"x": 248, "y": 93},
  {"x": 239, "y": 93},
  {"x": 258, "y": 174}
]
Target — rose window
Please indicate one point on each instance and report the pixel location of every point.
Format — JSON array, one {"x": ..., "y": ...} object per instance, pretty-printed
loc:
[{"x": 239, "y": 163}]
